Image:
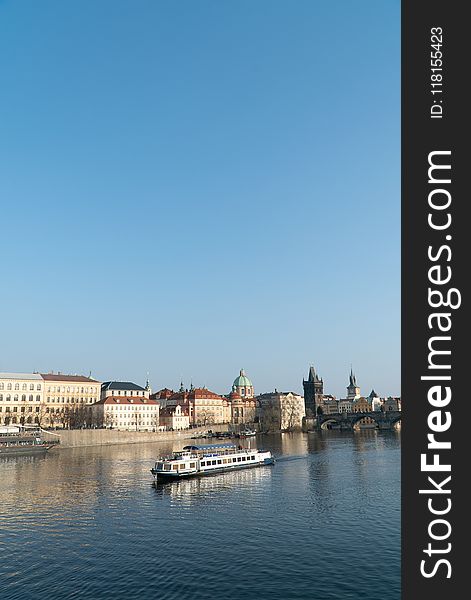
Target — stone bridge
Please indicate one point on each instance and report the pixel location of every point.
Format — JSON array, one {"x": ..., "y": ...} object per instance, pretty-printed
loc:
[{"x": 383, "y": 420}]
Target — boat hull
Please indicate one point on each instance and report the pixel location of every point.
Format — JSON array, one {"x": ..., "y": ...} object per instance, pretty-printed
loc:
[
  {"x": 163, "y": 476},
  {"x": 20, "y": 450}
]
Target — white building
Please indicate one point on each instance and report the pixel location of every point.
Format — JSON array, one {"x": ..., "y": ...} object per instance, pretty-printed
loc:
[
  {"x": 21, "y": 398},
  {"x": 175, "y": 418},
  {"x": 281, "y": 410},
  {"x": 126, "y": 406},
  {"x": 127, "y": 413}
]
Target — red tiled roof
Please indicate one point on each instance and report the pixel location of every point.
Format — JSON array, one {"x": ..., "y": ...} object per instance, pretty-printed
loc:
[
  {"x": 126, "y": 400},
  {"x": 71, "y": 378}
]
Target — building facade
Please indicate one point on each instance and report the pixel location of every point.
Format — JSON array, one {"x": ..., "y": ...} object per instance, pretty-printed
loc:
[
  {"x": 280, "y": 411},
  {"x": 21, "y": 398},
  {"x": 243, "y": 386},
  {"x": 204, "y": 406},
  {"x": 68, "y": 399},
  {"x": 47, "y": 399},
  {"x": 126, "y": 413},
  {"x": 174, "y": 418}
]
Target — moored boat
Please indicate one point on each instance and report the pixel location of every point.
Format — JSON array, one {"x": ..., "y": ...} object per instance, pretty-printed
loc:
[
  {"x": 19, "y": 440},
  {"x": 208, "y": 459}
]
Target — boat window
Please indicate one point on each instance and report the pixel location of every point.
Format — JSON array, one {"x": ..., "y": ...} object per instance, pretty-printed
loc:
[
  {"x": 203, "y": 464},
  {"x": 244, "y": 458},
  {"x": 225, "y": 461},
  {"x": 214, "y": 462},
  {"x": 192, "y": 465},
  {"x": 219, "y": 462},
  {"x": 167, "y": 467},
  {"x": 159, "y": 466},
  {"x": 174, "y": 467},
  {"x": 183, "y": 466},
  {"x": 252, "y": 457},
  {"x": 239, "y": 458}
]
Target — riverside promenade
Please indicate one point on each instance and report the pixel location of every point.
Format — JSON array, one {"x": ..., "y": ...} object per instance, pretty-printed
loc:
[{"x": 76, "y": 438}]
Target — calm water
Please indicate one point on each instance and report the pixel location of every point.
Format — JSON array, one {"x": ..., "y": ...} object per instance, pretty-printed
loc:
[{"x": 322, "y": 523}]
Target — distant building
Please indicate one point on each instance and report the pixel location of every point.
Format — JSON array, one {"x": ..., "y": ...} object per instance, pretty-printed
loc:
[
  {"x": 175, "y": 418},
  {"x": 204, "y": 406},
  {"x": 123, "y": 389},
  {"x": 280, "y": 411},
  {"x": 68, "y": 400},
  {"x": 243, "y": 386},
  {"x": 327, "y": 405},
  {"x": 374, "y": 401},
  {"x": 313, "y": 388},
  {"x": 126, "y": 413},
  {"x": 345, "y": 406},
  {"x": 392, "y": 403},
  {"x": 21, "y": 398},
  {"x": 125, "y": 405},
  {"x": 353, "y": 389},
  {"x": 162, "y": 396}
]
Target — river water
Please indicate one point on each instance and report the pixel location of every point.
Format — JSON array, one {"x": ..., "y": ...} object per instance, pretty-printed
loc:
[{"x": 323, "y": 523}]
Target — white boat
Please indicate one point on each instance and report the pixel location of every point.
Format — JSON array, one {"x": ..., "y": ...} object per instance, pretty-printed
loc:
[
  {"x": 207, "y": 459},
  {"x": 247, "y": 433}
]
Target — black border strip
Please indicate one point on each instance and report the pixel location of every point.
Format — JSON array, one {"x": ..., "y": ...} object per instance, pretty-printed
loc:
[{"x": 423, "y": 133}]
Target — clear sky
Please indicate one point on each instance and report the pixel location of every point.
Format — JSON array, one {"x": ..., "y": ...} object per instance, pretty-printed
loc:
[{"x": 192, "y": 187}]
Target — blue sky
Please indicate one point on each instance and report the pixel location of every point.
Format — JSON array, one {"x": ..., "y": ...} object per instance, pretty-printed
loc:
[{"x": 192, "y": 187}]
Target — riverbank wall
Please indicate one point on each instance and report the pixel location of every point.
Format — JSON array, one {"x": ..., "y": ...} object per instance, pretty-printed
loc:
[{"x": 76, "y": 438}]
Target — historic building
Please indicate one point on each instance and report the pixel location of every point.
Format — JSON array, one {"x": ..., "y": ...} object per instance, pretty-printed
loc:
[
  {"x": 68, "y": 399},
  {"x": 313, "y": 392},
  {"x": 353, "y": 389},
  {"x": 327, "y": 404},
  {"x": 162, "y": 396},
  {"x": 243, "y": 410},
  {"x": 47, "y": 399},
  {"x": 21, "y": 398},
  {"x": 204, "y": 406},
  {"x": 126, "y": 413},
  {"x": 280, "y": 411},
  {"x": 126, "y": 406},
  {"x": 123, "y": 389},
  {"x": 243, "y": 386},
  {"x": 175, "y": 418}
]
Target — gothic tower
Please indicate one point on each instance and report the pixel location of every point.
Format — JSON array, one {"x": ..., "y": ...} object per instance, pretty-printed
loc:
[
  {"x": 313, "y": 392},
  {"x": 353, "y": 389}
]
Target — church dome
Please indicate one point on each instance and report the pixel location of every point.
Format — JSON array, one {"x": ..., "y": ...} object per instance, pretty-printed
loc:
[{"x": 242, "y": 380}]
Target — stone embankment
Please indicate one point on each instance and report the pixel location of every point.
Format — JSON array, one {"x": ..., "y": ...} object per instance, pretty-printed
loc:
[{"x": 106, "y": 437}]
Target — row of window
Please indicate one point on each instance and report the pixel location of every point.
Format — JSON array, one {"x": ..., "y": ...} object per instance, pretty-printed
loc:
[
  {"x": 125, "y": 393},
  {"x": 227, "y": 461},
  {"x": 23, "y": 398},
  {"x": 70, "y": 400},
  {"x": 15, "y": 409},
  {"x": 72, "y": 389},
  {"x": 17, "y": 386},
  {"x": 133, "y": 407}
]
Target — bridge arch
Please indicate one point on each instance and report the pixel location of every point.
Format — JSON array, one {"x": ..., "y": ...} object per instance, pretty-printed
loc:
[
  {"x": 327, "y": 422},
  {"x": 368, "y": 418}
]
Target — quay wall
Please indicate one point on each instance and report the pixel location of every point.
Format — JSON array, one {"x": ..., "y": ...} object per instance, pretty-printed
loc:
[{"x": 106, "y": 437}]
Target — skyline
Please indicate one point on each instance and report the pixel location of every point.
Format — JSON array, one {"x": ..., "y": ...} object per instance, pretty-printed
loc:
[{"x": 187, "y": 199}]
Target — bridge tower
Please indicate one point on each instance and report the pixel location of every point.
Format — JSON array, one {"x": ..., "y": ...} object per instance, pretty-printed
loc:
[{"x": 313, "y": 392}]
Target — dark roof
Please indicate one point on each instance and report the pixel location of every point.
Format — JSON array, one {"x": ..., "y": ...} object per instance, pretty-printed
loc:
[
  {"x": 209, "y": 447},
  {"x": 121, "y": 385},
  {"x": 60, "y": 377}
]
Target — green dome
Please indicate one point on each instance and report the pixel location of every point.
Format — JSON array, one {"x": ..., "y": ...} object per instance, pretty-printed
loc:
[{"x": 242, "y": 380}]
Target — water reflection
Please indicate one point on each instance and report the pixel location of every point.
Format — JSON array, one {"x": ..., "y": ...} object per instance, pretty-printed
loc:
[
  {"x": 193, "y": 489},
  {"x": 331, "y": 498}
]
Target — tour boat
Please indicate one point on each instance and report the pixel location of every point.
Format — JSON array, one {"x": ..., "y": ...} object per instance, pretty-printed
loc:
[
  {"x": 207, "y": 459},
  {"x": 17, "y": 440}
]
